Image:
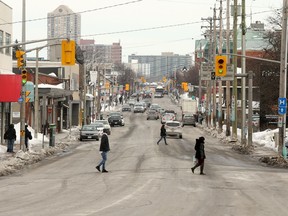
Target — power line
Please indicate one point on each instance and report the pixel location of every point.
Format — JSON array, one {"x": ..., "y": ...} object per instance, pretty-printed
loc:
[
  {"x": 142, "y": 29},
  {"x": 86, "y": 11}
]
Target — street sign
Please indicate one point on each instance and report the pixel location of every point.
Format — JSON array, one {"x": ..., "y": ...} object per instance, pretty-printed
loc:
[
  {"x": 29, "y": 91},
  {"x": 229, "y": 75},
  {"x": 20, "y": 100},
  {"x": 206, "y": 70},
  {"x": 282, "y": 106}
]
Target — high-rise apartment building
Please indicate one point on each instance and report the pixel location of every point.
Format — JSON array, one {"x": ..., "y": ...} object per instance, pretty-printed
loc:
[
  {"x": 162, "y": 65},
  {"x": 62, "y": 22}
]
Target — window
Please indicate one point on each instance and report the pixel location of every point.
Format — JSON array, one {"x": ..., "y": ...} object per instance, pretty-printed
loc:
[
  {"x": 1, "y": 41},
  {"x": 8, "y": 42}
]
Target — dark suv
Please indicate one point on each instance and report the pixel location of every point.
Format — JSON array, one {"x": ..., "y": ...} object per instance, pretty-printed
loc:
[{"x": 116, "y": 120}]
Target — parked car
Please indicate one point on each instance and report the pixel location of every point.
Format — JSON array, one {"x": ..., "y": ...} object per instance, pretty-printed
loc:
[
  {"x": 174, "y": 128},
  {"x": 126, "y": 108},
  {"x": 116, "y": 119},
  {"x": 106, "y": 125},
  {"x": 138, "y": 107},
  {"x": 167, "y": 117},
  {"x": 189, "y": 119},
  {"x": 152, "y": 114},
  {"x": 89, "y": 132}
]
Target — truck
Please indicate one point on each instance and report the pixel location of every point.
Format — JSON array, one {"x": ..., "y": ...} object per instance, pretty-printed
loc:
[{"x": 189, "y": 106}]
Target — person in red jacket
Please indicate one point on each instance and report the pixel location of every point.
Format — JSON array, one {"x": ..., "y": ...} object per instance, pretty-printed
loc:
[{"x": 104, "y": 149}]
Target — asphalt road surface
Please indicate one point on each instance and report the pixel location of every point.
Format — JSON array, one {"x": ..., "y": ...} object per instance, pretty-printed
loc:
[{"x": 146, "y": 179}]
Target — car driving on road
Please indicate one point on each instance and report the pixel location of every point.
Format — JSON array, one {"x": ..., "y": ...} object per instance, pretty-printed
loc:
[
  {"x": 126, "y": 108},
  {"x": 152, "y": 114},
  {"x": 116, "y": 119},
  {"x": 174, "y": 128},
  {"x": 138, "y": 107},
  {"x": 189, "y": 119}
]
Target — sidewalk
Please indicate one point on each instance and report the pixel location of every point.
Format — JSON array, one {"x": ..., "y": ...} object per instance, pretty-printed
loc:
[{"x": 37, "y": 151}]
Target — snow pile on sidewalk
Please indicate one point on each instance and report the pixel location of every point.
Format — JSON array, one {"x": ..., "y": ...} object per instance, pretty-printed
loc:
[{"x": 23, "y": 159}]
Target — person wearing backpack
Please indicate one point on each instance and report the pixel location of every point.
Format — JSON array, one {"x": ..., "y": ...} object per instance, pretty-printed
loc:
[
  {"x": 28, "y": 136},
  {"x": 200, "y": 155},
  {"x": 10, "y": 136}
]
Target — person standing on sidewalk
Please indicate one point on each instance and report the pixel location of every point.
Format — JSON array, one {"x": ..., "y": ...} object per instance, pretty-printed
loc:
[
  {"x": 162, "y": 134},
  {"x": 10, "y": 136},
  {"x": 200, "y": 155},
  {"x": 28, "y": 136},
  {"x": 104, "y": 149}
]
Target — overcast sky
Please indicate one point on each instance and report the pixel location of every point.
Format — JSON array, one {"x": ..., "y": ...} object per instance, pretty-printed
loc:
[{"x": 109, "y": 21}]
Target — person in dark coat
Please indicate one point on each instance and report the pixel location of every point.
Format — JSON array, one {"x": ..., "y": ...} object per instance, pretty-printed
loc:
[
  {"x": 104, "y": 149},
  {"x": 28, "y": 136},
  {"x": 162, "y": 134},
  {"x": 10, "y": 136},
  {"x": 200, "y": 155}
]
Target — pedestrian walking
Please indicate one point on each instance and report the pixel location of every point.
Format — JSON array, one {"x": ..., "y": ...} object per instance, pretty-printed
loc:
[
  {"x": 104, "y": 149},
  {"x": 28, "y": 136},
  {"x": 200, "y": 155},
  {"x": 10, "y": 136},
  {"x": 162, "y": 134}
]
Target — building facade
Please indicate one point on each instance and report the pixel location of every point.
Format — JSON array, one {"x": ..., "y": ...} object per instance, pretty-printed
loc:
[
  {"x": 62, "y": 22},
  {"x": 101, "y": 53},
  {"x": 5, "y": 38},
  {"x": 163, "y": 65},
  {"x": 5, "y": 62}
]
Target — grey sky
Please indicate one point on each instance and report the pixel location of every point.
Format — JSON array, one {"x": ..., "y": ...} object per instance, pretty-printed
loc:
[{"x": 101, "y": 18}]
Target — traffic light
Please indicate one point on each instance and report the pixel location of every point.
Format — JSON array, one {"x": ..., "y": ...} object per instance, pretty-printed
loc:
[
  {"x": 68, "y": 52},
  {"x": 127, "y": 87},
  {"x": 184, "y": 86},
  {"x": 24, "y": 76},
  {"x": 20, "y": 58},
  {"x": 107, "y": 85},
  {"x": 220, "y": 65}
]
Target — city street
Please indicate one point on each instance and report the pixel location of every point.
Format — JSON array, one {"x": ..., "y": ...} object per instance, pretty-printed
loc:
[{"x": 146, "y": 179}]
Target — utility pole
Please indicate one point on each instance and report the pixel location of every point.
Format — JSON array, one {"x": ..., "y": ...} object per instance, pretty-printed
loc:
[
  {"x": 234, "y": 97},
  {"x": 98, "y": 94},
  {"x": 209, "y": 83},
  {"x": 36, "y": 105},
  {"x": 228, "y": 132},
  {"x": 220, "y": 81},
  {"x": 243, "y": 80},
  {"x": 214, "y": 54},
  {"x": 283, "y": 77},
  {"x": 200, "y": 81}
]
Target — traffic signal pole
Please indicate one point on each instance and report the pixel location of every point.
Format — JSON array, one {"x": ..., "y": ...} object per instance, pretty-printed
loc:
[
  {"x": 23, "y": 94},
  {"x": 283, "y": 78}
]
